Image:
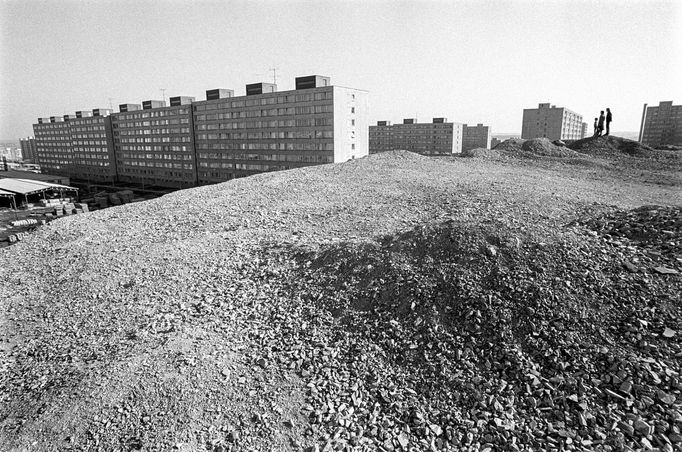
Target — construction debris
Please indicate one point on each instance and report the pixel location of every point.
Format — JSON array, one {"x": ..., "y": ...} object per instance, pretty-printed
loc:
[{"x": 393, "y": 303}]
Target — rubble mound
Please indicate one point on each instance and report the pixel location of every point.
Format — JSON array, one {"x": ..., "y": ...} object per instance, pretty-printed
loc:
[
  {"x": 394, "y": 302},
  {"x": 546, "y": 148},
  {"x": 611, "y": 146},
  {"x": 397, "y": 155},
  {"x": 481, "y": 152},
  {"x": 451, "y": 333},
  {"x": 669, "y": 147},
  {"x": 512, "y": 144},
  {"x": 658, "y": 229}
]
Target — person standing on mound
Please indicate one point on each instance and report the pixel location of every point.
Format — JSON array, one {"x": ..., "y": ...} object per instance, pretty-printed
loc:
[
  {"x": 600, "y": 125},
  {"x": 609, "y": 118}
]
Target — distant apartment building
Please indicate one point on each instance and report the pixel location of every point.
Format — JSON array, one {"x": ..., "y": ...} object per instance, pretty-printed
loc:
[
  {"x": 28, "y": 149},
  {"x": 438, "y": 137},
  {"x": 661, "y": 125},
  {"x": 551, "y": 122},
  {"x": 53, "y": 145},
  {"x": 381, "y": 137},
  {"x": 188, "y": 143},
  {"x": 477, "y": 136},
  {"x": 267, "y": 130},
  {"x": 93, "y": 151},
  {"x": 583, "y": 130},
  {"x": 154, "y": 144}
]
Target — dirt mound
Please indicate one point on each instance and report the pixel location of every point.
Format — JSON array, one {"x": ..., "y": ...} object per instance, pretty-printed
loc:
[
  {"x": 533, "y": 149},
  {"x": 480, "y": 152},
  {"x": 397, "y": 155},
  {"x": 454, "y": 326},
  {"x": 656, "y": 228},
  {"x": 544, "y": 147},
  {"x": 396, "y": 302},
  {"x": 611, "y": 146},
  {"x": 512, "y": 144}
]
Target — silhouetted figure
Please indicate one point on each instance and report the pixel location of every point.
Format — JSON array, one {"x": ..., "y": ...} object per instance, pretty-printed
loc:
[
  {"x": 600, "y": 124},
  {"x": 609, "y": 118},
  {"x": 596, "y": 128}
]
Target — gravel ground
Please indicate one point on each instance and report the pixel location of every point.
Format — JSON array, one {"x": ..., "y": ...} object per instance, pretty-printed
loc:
[{"x": 394, "y": 302}]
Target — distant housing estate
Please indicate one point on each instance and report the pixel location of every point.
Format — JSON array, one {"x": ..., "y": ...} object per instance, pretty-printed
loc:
[
  {"x": 28, "y": 149},
  {"x": 190, "y": 142},
  {"x": 661, "y": 125},
  {"x": 477, "y": 136},
  {"x": 438, "y": 137},
  {"x": 551, "y": 122}
]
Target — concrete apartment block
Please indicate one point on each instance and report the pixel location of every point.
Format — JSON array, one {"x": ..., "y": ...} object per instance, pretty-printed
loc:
[
  {"x": 269, "y": 130},
  {"x": 381, "y": 137},
  {"x": 551, "y": 122},
  {"x": 155, "y": 145},
  {"x": 93, "y": 147},
  {"x": 28, "y": 149},
  {"x": 438, "y": 137},
  {"x": 477, "y": 136},
  {"x": 54, "y": 150},
  {"x": 661, "y": 125},
  {"x": 77, "y": 145},
  {"x": 193, "y": 142},
  {"x": 351, "y": 123}
]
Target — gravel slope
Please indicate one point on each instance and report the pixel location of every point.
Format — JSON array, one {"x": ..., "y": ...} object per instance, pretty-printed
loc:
[{"x": 387, "y": 303}]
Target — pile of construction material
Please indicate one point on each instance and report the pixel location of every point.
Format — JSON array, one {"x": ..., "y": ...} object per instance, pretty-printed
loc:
[
  {"x": 392, "y": 303},
  {"x": 103, "y": 200},
  {"x": 26, "y": 222}
]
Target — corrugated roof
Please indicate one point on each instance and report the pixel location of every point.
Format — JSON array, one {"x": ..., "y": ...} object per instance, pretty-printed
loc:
[
  {"x": 51, "y": 185},
  {"x": 15, "y": 174},
  {"x": 6, "y": 193},
  {"x": 28, "y": 187}
]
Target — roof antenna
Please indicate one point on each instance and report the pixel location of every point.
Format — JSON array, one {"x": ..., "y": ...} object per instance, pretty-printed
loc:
[
  {"x": 274, "y": 75},
  {"x": 163, "y": 92}
]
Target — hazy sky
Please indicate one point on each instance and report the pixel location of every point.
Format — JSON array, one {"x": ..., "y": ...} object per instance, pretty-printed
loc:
[{"x": 471, "y": 61}]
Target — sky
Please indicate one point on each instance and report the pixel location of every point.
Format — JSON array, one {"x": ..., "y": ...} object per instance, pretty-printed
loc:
[{"x": 468, "y": 61}]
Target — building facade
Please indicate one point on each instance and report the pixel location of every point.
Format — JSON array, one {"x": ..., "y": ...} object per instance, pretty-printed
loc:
[
  {"x": 53, "y": 145},
  {"x": 188, "y": 143},
  {"x": 381, "y": 137},
  {"x": 438, "y": 137},
  {"x": 28, "y": 149},
  {"x": 551, "y": 122},
  {"x": 154, "y": 145},
  {"x": 267, "y": 130},
  {"x": 477, "y": 136},
  {"x": 661, "y": 125},
  {"x": 92, "y": 143}
]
